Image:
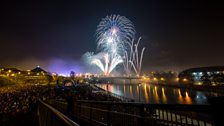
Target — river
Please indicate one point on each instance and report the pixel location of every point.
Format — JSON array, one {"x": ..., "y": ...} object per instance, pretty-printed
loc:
[{"x": 155, "y": 94}]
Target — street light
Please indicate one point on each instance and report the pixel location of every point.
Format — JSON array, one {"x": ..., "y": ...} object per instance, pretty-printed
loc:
[{"x": 139, "y": 85}]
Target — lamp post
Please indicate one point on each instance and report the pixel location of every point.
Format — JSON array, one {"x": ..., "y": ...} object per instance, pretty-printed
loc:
[{"x": 139, "y": 98}]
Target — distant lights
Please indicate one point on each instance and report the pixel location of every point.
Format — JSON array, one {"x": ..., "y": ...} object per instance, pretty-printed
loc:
[
  {"x": 185, "y": 80},
  {"x": 199, "y": 83},
  {"x": 155, "y": 79},
  {"x": 162, "y": 79}
]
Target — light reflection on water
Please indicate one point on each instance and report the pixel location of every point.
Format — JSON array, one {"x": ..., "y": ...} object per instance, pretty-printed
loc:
[{"x": 158, "y": 94}]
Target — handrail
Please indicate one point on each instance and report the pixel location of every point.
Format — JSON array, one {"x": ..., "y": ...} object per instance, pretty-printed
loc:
[
  {"x": 59, "y": 114},
  {"x": 183, "y": 107},
  {"x": 104, "y": 111}
]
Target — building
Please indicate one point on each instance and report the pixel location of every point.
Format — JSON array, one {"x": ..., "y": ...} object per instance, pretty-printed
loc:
[
  {"x": 213, "y": 75},
  {"x": 35, "y": 76}
]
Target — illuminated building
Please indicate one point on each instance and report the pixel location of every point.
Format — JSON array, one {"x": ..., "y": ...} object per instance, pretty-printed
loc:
[{"x": 203, "y": 75}]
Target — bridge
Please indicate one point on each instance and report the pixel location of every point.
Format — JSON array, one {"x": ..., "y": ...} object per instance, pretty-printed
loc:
[{"x": 130, "y": 80}]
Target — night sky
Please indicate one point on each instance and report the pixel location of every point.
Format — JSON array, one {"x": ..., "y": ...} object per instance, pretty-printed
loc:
[{"x": 177, "y": 35}]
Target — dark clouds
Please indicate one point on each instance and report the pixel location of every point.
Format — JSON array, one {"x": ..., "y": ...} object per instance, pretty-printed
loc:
[{"x": 176, "y": 34}]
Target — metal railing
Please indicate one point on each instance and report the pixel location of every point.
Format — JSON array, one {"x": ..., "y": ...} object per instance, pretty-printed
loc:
[
  {"x": 49, "y": 116},
  {"x": 136, "y": 114}
]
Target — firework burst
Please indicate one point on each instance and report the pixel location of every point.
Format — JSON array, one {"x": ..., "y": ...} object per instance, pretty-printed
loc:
[
  {"x": 113, "y": 33},
  {"x": 115, "y": 36}
]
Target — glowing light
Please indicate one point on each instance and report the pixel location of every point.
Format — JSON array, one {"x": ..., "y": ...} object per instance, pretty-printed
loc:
[
  {"x": 162, "y": 79},
  {"x": 185, "y": 80},
  {"x": 114, "y": 31},
  {"x": 177, "y": 79},
  {"x": 164, "y": 96},
  {"x": 156, "y": 96},
  {"x": 199, "y": 83},
  {"x": 188, "y": 99},
  {"x": 146, "y": 94},
  {"x": 110, "y": 39},
  {"x": 155, "y": 79},
  {"x": 180, "y": 97}
]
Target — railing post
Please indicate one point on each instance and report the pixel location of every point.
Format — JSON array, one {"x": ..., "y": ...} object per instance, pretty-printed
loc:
[
  {"x": 90, "y": 114},
  {"x": 108, "y": 114},
  {"x": 142, "y": 116},
  {"x": 217, "y": 110},
  {"x": 79, "y": 111}
]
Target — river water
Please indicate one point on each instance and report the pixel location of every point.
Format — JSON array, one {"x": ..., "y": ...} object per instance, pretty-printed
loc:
[{"x": 149, "y": 93}]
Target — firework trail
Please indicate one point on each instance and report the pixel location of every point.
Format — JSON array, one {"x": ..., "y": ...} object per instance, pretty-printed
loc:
[{"x": 135, "y": 60}]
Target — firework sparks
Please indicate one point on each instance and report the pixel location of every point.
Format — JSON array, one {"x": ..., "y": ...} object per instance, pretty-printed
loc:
[
  {"x": 112, "y": 33},
  {"x": 115, "y": 36}
]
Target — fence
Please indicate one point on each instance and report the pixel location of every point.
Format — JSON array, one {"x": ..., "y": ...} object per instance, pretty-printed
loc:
[
  {"x": 135, "y": 114},
  {"x": 49, "y": 116}
]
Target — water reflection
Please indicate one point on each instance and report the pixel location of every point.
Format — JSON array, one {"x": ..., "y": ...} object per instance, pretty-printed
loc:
[
  {"x": 157, "y": 94},
  {"x": 164, "y": 99},
  {"x": 188, "y": 99},
  {"x": 146, "y": 93}
]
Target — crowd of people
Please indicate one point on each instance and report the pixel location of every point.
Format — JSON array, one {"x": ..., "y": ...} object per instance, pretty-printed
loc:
[
  {"x": 18, "y": 103},
  {"x": 81, "y": 92}
]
